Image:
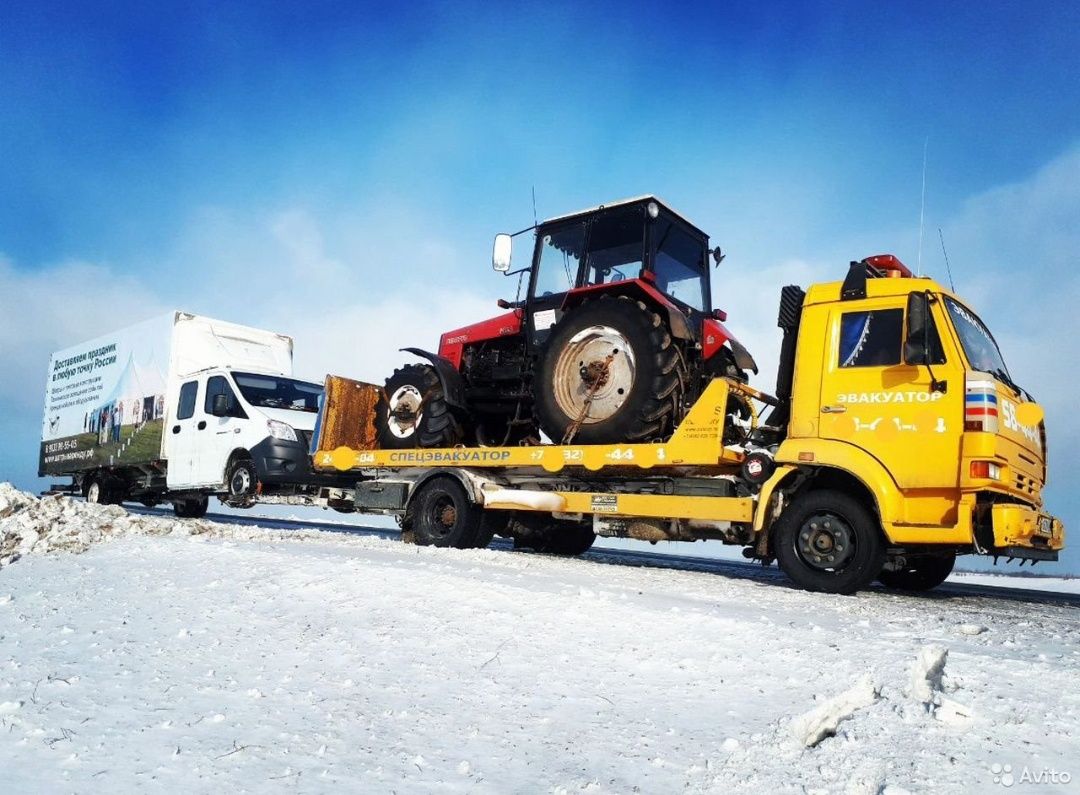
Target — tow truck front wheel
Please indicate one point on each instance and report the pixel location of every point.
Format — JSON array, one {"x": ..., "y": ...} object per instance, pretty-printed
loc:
[
  {"x": 828, "y": 541},
  {"x": 918, "y": 572}
]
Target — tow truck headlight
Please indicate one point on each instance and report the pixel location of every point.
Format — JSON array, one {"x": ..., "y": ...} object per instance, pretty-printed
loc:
[
  {"x": 281, "y": 430},
  {"x": 987, "y": 470}
]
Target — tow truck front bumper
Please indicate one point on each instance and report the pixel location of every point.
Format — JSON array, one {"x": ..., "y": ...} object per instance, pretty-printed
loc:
[{"x": 1023, "y": 532}]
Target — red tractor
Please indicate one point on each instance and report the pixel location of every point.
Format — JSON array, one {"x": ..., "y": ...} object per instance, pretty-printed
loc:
[{"x": 613, "y": 342}]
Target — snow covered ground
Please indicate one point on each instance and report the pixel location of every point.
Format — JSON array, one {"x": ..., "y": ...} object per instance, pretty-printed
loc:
[
  {"x": 206, "y": 657},
  {"x": 1056, "y": 584}
]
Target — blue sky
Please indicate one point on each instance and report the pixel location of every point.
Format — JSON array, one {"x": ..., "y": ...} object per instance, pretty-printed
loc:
[{"x": 337, "y": 170}]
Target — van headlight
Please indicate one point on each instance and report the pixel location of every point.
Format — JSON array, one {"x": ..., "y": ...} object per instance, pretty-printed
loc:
[{"x": 281, "y": 430}]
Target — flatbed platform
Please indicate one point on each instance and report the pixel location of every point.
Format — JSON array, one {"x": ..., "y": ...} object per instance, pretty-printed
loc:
[{"x": 345, "y": 440}]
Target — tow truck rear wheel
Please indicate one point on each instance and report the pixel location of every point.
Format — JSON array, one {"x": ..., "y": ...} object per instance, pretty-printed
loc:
[
  {"x": 829, "y": 541},
  {"x": 919, "y": 572},
  {"x": 569, "y": 539},
  {"x": 191, "y": 507},
  {"x": 440, "y": 514}
]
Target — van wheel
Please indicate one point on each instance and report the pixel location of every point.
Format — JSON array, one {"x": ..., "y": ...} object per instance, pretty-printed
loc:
[
  {"x": 440, "y": 514},
  {"x": 829, "y": 541},
  {"x": 191, "y": 508},
  {"x": 242, "y": 480},
  {"x": 919, "y": 572},
  {"x": 95, "y": 493},
  {"x": 100, "y": 492}
]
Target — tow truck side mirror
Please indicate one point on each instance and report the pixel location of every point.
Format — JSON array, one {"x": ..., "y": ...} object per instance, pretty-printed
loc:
[
  {"x": 500, "y": 255},
  {"x": 917, "y": 321}
]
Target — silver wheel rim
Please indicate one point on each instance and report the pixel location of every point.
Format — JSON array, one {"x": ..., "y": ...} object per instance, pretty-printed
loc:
[
  {"x": 241, "y": 482},
  {"x": 404, "y": 412},
  {"x": 573, "y": 380},
  {"x": 93, "y": 494}
]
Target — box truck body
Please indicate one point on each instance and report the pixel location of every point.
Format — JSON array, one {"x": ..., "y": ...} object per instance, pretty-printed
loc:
[{"x": 168, "y": 408}]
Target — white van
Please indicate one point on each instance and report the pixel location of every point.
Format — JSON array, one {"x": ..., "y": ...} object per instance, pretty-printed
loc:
[{"x": 177, "y": 409}]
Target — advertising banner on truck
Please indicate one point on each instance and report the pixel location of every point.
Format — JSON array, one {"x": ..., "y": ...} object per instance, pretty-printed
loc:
[{"x": 105, "y": 400}]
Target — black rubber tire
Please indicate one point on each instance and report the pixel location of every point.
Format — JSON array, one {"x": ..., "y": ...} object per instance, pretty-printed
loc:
[
  {"x": 103, "y": 491},
  {"x": 95, "y": 492},
  {"x": 440, "y": 514},
  {"x": 437, "y": 425},
  {"x": 653, "y": 405},
  {"x": 920, "y": 573},
  {"x": 567, "y": 538},
  {"x": 241, "y": 483},
  {"x": 191, "y": 508},
  {"x": 864, "y": 563}
]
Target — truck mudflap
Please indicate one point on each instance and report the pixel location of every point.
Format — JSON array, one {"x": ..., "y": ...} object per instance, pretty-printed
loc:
[{"x": 1023, "y": 532}]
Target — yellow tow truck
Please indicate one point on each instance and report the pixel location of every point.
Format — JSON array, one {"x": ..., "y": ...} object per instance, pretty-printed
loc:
[{"x": 896, "y": 440}]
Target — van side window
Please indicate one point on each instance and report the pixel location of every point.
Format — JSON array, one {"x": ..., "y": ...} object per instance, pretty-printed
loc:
[
  {"x": 871, "y": 339},
  {"x": 188, "y": 393},
  {"x": 219, "y": 385}
]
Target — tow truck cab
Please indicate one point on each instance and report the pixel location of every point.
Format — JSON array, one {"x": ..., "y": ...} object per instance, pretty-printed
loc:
[{"x": 895, "y": 382}]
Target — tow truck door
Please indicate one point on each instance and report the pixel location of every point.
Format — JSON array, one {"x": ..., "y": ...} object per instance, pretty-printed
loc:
[{"x": 871, "y": 399}]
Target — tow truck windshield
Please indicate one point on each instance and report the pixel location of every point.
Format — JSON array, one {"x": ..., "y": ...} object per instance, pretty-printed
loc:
[
  {"x": 275, "y": 392},
  {"x": 979, "y": 345}
]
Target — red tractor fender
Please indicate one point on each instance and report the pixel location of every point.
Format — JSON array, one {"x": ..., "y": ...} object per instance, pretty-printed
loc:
[
  {"x": 677, "y": 321},
  {"x": 453, "y": 384},
  {"x": 714, "y": 334}
]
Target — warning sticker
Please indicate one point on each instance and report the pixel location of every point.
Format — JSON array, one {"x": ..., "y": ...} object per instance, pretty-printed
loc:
[
  {"x": 605, "y": 503},
  {"x": 544, "y": 319}
]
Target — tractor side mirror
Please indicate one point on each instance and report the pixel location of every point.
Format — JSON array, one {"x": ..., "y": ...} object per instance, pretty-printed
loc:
[
  {"x": 220, "y": 406},
  {"x": 718, "y": 255},
  {"x": 500, "y": 255}
]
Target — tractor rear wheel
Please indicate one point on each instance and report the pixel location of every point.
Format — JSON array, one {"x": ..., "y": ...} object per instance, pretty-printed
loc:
[
  {"x": 610, "y": 373},
  {"x": 412, "y": 411}
]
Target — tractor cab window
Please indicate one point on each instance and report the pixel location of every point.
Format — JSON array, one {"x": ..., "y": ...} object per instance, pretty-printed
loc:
[
  {"x": 679, "y": 263},
  {"x": 871, "y": 339},
  {"x": 616, "y": 246},
  {"x": 560, "y": 258}
]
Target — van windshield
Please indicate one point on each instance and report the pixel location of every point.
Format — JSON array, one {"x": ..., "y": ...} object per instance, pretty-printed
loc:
[
  {"x": 979, "y": 345},
  {"x": 276, "y": 392}
]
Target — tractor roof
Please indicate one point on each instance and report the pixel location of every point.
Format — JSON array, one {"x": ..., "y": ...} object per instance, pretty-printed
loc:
[{"x": 621, "y": 202}]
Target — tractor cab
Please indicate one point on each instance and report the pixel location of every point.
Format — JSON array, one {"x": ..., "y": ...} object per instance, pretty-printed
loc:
[{"x": 635, "y": 247}]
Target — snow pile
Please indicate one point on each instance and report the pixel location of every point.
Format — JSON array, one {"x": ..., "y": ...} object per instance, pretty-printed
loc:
[
  {"x": 60, "y": 524},
  {"x": 812, "y": 727},
  {"x": 33, "y": 525}
]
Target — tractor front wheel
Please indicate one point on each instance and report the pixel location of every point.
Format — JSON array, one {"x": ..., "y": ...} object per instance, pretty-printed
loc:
[{"x": 412, "y": 411}]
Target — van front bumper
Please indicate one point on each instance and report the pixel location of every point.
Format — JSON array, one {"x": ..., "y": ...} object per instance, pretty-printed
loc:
[{"x": 1023, "y": 532}]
